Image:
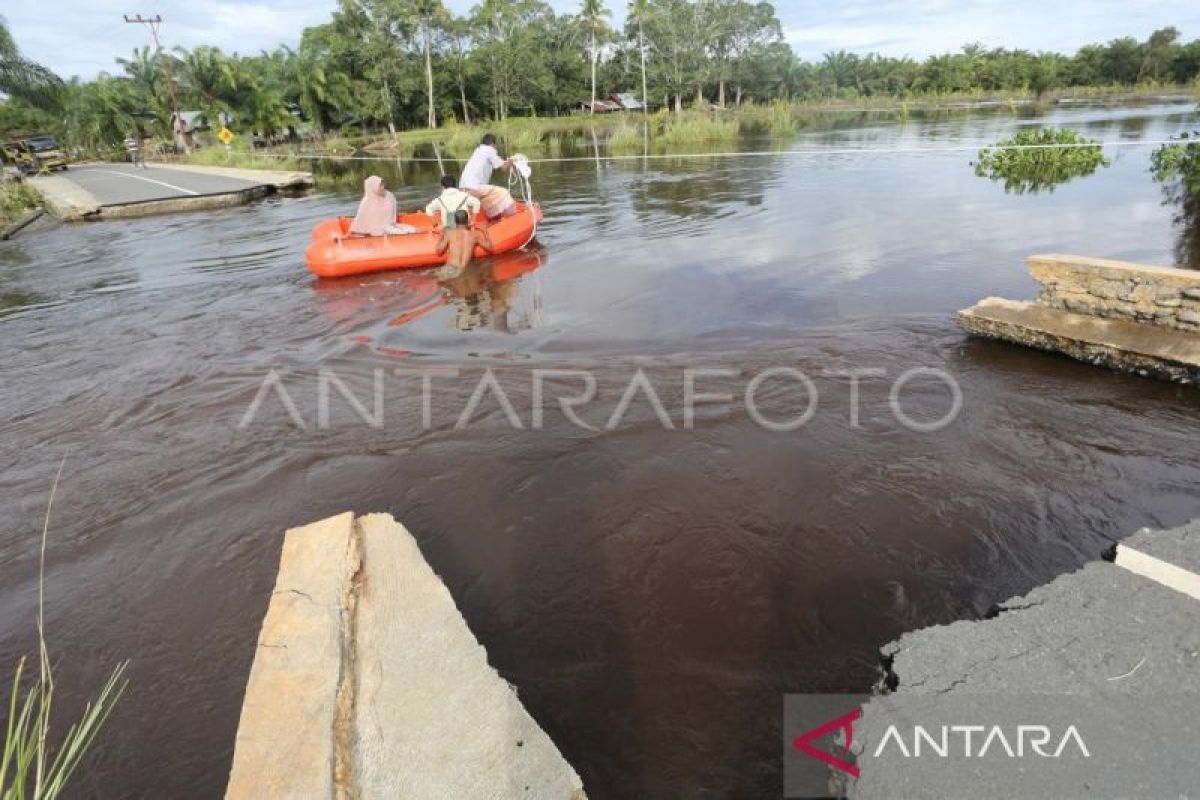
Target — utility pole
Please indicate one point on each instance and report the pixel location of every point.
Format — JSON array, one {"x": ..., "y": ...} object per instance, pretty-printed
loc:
[{"x": 153, "y": 24}]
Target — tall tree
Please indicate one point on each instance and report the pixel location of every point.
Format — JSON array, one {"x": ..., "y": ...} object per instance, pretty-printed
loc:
[
  {"x": 425, "y": 16},
  {"x": 592, "y": 14},
  {"x": 639, "y": 11}
]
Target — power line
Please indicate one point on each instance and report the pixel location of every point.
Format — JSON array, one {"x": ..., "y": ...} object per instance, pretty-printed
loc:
[
  {"x": 812, "y": 151},
  {"x": 153, "y": 24}
]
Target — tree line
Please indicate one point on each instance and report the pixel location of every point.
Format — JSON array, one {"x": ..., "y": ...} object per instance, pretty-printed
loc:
[{"x": 412, "y": 63}]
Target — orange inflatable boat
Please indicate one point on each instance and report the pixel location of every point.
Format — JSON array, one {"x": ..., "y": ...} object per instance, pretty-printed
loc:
[{"x": 336, "y": 253}]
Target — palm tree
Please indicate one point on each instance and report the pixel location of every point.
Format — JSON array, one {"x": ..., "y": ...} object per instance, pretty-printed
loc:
[
  {"x": 142, "y": 69},
  {"x": 639, "y": 10},
  {"x": 210, "y": 77},
  {"x": 593, "y": 14},
  {"x": 99, "y": 114},
  {"x": 25, "y": 79}
]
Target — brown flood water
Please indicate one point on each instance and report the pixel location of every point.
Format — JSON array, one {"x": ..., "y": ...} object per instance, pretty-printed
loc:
[{"x": 652, "y": 592}]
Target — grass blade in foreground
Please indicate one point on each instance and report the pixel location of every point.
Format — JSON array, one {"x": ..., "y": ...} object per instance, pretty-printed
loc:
[{"x": 30, "y": 769}]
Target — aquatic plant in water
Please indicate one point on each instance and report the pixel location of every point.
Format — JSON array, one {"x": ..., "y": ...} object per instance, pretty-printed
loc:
[
  {"x": 1179, "y": 161},
  {"x": 1040, "y": 159}
]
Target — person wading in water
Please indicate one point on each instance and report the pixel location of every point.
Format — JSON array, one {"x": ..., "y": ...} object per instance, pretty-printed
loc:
[{"x": 460, "y": 242}]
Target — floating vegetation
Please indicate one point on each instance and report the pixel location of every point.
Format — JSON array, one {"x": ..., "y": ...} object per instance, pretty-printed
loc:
[
  {"x": 1040, "y": 159},
  {"x": 1179, "y": 161}
]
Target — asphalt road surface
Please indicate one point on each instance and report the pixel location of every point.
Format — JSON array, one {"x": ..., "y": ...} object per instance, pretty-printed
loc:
[{"x": 118, "y": 184}]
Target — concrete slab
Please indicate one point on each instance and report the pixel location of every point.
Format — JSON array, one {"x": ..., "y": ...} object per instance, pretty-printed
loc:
[
  {"x": 105, "y": 191},
  {"x": 280, "y": 179},
  {"x": 284, "y": 745},
  {"x": 433, "y": 719},
  {"x": 68, "y": 200},
  {"x": 368, "y": 683},
  {"x": 118, "y": 184},
  {"x": 1144, "y": 349},
  {"x": 1079, "y": 632}
]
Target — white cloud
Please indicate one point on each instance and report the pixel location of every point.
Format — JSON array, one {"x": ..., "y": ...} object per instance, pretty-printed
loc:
[{"x": 82, "y": 37}]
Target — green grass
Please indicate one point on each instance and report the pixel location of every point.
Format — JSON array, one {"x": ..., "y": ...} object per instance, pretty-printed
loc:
[
  {"x": 242, "y": 158},
  {"x": 695, "y": 128},
  {"x": 521, "y": 139},
  {"x": 462, "y": 140},
  {"x": 781, "y": 120},
  {"x": 628, "y": 138},
  {"x": 17, "y": 198},
  {"x": 31, "y": 768}
]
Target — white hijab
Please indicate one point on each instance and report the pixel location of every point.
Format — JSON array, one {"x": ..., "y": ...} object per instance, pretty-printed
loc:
[{"x": 377, "y": 209}]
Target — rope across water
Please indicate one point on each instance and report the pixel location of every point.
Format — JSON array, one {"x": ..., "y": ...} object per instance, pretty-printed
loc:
[{"x": 812, "y": 151}]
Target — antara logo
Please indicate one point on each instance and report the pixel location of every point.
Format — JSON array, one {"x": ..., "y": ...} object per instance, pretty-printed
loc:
[
  {"x": 844, "y": 723},
  {"x": 969, "y": 741},
  {"x": 1029, "y": 739}
]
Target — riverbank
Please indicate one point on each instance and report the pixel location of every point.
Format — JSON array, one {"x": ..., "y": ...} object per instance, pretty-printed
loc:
[
  {"x": 660, "y": 131},
  {"x": 18, "y": 201},
  {"x": 782, "y": 117}
]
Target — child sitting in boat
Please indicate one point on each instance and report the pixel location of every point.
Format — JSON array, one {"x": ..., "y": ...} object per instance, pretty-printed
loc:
[
  {"x": 452, "y": 199},
  {"x": 377, "y": 211},
  {"x": 460, "y": 241}
]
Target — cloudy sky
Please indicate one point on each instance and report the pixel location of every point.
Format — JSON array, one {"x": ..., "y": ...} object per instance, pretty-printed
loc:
[{"x": 82, "y": 37}]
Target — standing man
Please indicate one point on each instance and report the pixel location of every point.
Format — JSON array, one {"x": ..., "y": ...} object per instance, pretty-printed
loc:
[{"x": 477, "y": 179}]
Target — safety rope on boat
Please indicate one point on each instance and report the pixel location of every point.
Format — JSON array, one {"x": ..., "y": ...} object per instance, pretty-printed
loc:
[{"x": 518, "y": 177}]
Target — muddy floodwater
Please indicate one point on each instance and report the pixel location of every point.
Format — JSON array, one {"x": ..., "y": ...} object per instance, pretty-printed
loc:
[{"x": 652, "y": 586}]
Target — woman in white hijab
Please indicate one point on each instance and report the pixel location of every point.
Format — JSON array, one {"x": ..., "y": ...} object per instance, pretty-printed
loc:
[{"x": 377, "y": 211}]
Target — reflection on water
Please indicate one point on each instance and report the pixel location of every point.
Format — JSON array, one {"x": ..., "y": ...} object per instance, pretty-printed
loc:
[
  {"x": 1187, "y": 221},
  {"x": 652, "y": 591},
  {"x": 487, "y": 294}
]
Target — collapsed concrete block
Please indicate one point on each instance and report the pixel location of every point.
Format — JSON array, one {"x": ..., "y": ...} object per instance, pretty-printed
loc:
[{"x": 368, "y": 683}]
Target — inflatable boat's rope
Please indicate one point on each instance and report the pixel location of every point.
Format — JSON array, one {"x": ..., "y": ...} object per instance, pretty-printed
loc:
[{"x": 517, "y": 177}]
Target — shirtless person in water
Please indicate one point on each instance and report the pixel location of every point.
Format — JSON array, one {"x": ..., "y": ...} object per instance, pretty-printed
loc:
[{"x": 460, "y": 241}]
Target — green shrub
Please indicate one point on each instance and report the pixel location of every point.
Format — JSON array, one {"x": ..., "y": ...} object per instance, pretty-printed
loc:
[
  {"x": 1040, "y": 159},
  {"x": 696, "y": 128},
  {"x": 1179, "y": 161}
]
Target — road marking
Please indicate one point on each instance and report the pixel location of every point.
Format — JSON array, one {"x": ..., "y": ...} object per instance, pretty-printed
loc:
[
  {"x": 1159, "y": 571},
  {"x": 147, "y": 180}
]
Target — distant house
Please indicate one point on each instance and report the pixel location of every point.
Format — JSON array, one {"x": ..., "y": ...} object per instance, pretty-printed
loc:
[
  {"x": 627, "y": 101},
  {"x": 198, "y": 120},
  {"x": 600, "y": 107},
  {"x": 622, "y": 101}
]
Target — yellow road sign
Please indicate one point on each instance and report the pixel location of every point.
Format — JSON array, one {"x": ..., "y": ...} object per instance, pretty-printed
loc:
[{"x": 225, "y": 135}]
